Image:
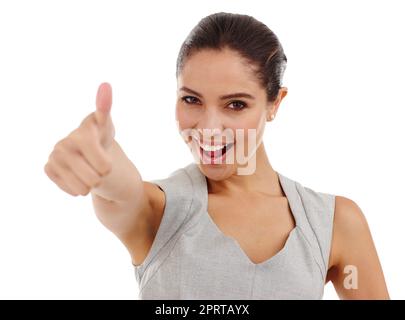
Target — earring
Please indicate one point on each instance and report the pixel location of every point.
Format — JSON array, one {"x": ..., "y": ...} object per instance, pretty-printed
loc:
[{"x": 272, "y": 116}]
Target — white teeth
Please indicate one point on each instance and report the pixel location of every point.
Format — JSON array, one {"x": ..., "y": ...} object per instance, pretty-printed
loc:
[{"x": 207, "y": 147}]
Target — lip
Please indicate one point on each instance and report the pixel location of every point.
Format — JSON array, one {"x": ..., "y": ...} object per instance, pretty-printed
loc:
[
  {"x": 210, "y": 143},
  {"x": 206, "y": 159}
]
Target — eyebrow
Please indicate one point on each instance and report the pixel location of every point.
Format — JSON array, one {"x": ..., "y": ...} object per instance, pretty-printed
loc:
[{"x": 227, "y": 96}]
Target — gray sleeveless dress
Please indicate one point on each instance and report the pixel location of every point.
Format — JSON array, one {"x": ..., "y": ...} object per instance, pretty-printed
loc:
[{"x": 191, "y": 258}]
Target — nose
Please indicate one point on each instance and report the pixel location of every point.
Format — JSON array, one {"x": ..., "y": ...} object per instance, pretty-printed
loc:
[{"x": 210, "y": 122}]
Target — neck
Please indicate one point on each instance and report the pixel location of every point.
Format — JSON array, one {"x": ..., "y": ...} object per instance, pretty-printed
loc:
[{"x": 263, "y": 180}]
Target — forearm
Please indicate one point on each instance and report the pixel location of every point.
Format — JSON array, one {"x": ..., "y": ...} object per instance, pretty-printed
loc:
[{"x": 123, "y": 182}]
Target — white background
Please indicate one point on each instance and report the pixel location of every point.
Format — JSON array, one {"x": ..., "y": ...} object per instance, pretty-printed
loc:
[{"x": 339, "y": 130}]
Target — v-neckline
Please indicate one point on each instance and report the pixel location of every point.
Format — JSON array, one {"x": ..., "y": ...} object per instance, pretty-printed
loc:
[{"x": 279, "y": 254}]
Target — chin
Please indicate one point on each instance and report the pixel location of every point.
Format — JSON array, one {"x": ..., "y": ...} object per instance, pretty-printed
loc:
[{"x": 217, "y": 172}]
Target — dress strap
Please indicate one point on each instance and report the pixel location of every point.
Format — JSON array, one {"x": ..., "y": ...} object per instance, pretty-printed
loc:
[{"x": 314, "y": 212}]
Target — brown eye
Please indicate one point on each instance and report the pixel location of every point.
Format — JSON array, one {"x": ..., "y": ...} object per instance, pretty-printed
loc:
[
  {"x": 237, "y": 105},
  {"x": 190, "y": 99}
]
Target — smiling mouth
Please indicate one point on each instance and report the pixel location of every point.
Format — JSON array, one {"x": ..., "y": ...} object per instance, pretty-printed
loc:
[{"x": 216, "y": 153}]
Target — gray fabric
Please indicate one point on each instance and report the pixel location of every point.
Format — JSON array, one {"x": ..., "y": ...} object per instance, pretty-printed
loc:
[{"x": 191, "y": 258}]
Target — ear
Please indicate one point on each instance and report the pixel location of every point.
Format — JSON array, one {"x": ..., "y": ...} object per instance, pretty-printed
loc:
[{"x": 273, "y": 106}]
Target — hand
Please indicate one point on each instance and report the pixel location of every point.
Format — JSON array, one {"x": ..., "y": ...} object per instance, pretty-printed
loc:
[{"x": 79, "y": 161}]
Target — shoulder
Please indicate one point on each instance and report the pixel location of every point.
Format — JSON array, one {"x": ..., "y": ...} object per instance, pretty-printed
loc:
[
  {"x": 346, "y": 214},
  {"x": 350, "y": 223},
  {"x": 169, "y": 189},
  {"x": 177, "y": 178},
  {"x": 349, "y": 218},
  {"x": 319, "y": 208},
  {"x": 174, "y": 192},
  {"x": 350, "y": 226},
  {"x": 170, "y": 201}
]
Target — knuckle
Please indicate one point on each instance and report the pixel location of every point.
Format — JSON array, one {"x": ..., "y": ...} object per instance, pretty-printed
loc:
[
  {"x": 75, "y": 138},
  {"x": 57, "y": 180},
  {"x": 60, "y": 149},
  {"x": 57, "y": 155},
  {"x": 63, "y": 143},
  {"x": 84, "y": 140},
  {"x": 51, "y": 175},
  {"x": 50, "y": 172},
  {"x": 83, "y": 134},
  {"x": 59, "y": 146}
]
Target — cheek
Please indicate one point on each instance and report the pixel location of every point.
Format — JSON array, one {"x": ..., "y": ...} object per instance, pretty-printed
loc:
[
  {"x": 185, "y": 123},
  {"x": 255, "y": 121},
  {"x": 183, "y": 118}
]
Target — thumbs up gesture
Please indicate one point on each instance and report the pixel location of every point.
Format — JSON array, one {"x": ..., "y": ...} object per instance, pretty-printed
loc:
[
  {"x": 100, "y": 120},
  {"x": 79, "y": 161}
]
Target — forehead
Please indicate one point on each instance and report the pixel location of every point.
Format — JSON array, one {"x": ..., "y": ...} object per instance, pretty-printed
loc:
[{"x": 217, "y": 71}]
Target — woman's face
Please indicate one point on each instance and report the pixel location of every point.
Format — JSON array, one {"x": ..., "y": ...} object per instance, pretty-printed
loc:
[{"x": 220, "y": 103}]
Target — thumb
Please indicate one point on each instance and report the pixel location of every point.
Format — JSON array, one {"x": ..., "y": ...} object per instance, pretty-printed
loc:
[{"x": 103, "y": 103}]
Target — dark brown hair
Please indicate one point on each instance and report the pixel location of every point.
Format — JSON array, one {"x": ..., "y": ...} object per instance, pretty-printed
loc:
[{"x": 252, "y": 39}]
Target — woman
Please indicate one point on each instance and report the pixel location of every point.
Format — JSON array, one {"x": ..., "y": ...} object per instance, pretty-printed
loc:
[{"x": 228, "y": 226}]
